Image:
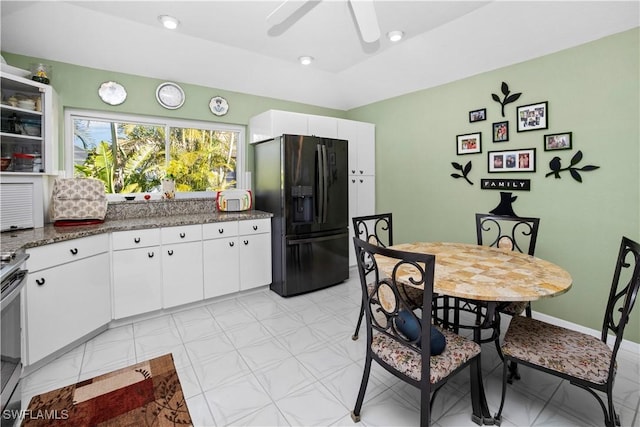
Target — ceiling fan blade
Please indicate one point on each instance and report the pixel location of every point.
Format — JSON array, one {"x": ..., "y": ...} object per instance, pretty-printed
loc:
[
  {"x": 284, "y": 11},
  {"x": 367, "y": 20}
]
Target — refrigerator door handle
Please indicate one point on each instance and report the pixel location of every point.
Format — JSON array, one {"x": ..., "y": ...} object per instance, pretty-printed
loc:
[
  {"x": 316, "y": 239},
  {"x": 325, "y": 184},
  {"x": 320, "y": 183}
]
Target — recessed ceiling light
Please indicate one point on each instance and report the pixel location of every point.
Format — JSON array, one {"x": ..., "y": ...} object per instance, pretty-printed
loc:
[
  {"x": 395, "y": 36},
  {"x": 305, "y": 60},
  {"x": 169, "y": 22}
]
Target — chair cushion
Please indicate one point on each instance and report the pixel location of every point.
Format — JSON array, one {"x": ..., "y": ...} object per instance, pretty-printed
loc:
[
  {"x": 409, "y": 326},
  {"x": 559, "y": 349},
  {"x": 458, "y": 351},
  {"x": 514, "y": 308}
]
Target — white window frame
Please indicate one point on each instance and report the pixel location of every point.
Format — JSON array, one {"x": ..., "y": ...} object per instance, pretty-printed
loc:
[{"x": 71, "y": 113}]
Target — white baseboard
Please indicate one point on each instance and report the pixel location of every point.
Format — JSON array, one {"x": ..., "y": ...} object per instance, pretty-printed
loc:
[{"x": 625, "y": 345}]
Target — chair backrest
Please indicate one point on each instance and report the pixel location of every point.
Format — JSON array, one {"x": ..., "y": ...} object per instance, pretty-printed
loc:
[
  {"x": 376, "y": 229},
  {"x": 508, "y": 232},
  {"x": 384, "y": 270},
  {"x": 624, "y": 290}
]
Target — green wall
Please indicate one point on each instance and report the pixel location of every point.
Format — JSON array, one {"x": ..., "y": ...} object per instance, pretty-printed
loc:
[
  {"x": 592, "y": 90},
  {"x": 77, "y": 87}
]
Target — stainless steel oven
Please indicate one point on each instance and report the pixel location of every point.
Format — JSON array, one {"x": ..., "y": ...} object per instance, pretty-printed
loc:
[{"x": 13, "y": 278}]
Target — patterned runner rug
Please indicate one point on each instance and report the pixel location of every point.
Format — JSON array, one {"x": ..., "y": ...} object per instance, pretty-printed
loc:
[{"x": 145, "y": 394}]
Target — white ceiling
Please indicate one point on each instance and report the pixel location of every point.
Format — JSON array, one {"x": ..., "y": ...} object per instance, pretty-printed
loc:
[{"x": 229, "y": 45}]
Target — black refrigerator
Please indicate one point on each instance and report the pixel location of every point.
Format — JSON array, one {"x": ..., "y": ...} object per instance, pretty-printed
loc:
[{"x": 303, "y": 181}]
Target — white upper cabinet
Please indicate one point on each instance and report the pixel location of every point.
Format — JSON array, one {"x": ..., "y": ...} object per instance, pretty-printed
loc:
[
  {"x": 362, "y": 146},
  {"x": 28, "y": 134},
  {"x": 274, "y": 123},
  {"x": 326, "y": 127}
]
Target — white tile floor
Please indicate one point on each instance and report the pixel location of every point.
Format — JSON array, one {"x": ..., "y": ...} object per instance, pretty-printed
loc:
[{"x": 261, "y": 360}]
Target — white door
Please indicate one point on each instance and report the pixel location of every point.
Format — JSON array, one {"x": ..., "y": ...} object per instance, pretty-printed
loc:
[
  {"x": 221, "y": 266},
  {"x": 181, "y": 273},
  {"x": 137, "y": 281}
]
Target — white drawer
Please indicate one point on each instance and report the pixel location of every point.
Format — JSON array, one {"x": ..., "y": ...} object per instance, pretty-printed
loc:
[
  {"x": 135, "y": 238},
  {"x": 180, "y": 234},
  {"x": 217, "y": 230},
  {"x": 72, "y": 250},
  {"x": 254, "y": 226}
]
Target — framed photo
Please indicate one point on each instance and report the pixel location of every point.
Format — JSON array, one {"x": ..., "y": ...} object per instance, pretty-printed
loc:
[
  {"x": 477, "y": 115},
  {"x": 557, "y": 141},
  {"x": 469, "y": 143},
  {"x": 512, "y": 160},
  {"x": 533, "y": 117},
  {"x": 500, "y": 131}
]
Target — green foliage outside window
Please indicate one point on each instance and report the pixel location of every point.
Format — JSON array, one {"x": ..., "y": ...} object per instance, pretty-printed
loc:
[{"x": 198, "y": 160}]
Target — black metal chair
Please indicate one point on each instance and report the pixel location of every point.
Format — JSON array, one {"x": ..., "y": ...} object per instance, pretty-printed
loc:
[
  {"x": 378, "y": 230},
  {"x": 500, "y": 231},
  {"x": 583, "y": 360},
  {"x": 406, "y": 352}
]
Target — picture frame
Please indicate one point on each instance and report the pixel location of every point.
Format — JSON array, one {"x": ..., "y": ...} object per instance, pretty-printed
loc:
[
  {"x": 478, "y": 115},
  {"x": 558, "y": 141},
  {"x": 533, "y": 116},
  {"x": 500, "y": 131},
  {"x": 469, "y": 143},
  {"x": 523, "y": 160}
]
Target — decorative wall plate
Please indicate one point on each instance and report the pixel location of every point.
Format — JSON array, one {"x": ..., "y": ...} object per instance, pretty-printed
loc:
[
  {"x": 112, "y": 93},
  {"x": 170, "y": 95},
  {"x": 218, "y": 106}
]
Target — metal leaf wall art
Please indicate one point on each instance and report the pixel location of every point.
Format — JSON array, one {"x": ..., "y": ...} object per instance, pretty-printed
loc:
[
  {"x": 465, "y": 171},
  {"x": 508, "y": 96},
  {"x": 556, "y": 167}
]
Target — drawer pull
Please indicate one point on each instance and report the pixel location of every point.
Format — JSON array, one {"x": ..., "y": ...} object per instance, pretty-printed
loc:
[
  {"x": 360, "y": 172},
  {"x": 40, "y": 282},
  {"x": 182, "y": 235},
  {"x": 255, "y": 228},
  {"x": 150, "y": 254},
  {"x": 136, "y": 240},
  {"x": 246, "y": 242},
  {"x": 231, "y": 244},
  {"x": 220, "y": 230},
  {"x": 74, "y": 251},
  {"x": 353, "y": 171},
  {"x": 170, "y": 252}
]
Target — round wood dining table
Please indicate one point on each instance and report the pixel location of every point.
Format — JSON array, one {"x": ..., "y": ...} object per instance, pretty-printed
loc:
[{"x": 488, "y": 274}]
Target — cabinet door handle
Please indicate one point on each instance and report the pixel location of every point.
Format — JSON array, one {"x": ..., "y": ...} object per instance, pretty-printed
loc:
[
  {"x": 246, "y": 242},
  {"x": 170, "y": 252},
  {"x": 255, "y": 228},
  {"x": 353, "y": 181},
  {"x": 361, "y": 181},
  {"x": 220, "y": 230},
  {"x": 182, "y": 235},
  {"x": 40, "y": 282},
  {"x": 136, "y": 240},
  {"x": 231, "y": 244},
  {"x": 74, "y": 251},
  {"x": 150, "y": 254}
]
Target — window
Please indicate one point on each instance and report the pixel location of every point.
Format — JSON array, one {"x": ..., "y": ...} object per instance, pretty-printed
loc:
[{"x": 132, "y": 154}]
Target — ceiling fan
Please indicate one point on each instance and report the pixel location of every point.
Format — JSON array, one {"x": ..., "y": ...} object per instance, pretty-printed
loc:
[{"x": 363, "y": 10}]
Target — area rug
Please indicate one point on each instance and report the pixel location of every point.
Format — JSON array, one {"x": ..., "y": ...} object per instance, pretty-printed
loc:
[{"x": 145, "y": 394}]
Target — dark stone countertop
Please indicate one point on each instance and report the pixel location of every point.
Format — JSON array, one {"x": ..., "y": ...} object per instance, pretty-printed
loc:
[{"x": 25, "y": 239}]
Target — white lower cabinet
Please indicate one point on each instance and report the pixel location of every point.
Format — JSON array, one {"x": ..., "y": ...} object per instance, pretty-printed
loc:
[
  {"x": 137, "y": 273},
  {"x": 181, "y": 265},
  {"x": 67, "y": 294},
  {"x": 78, "y": 286},
  {"x": 254, "y": 239},
  {"x": 221, "y": 266}
]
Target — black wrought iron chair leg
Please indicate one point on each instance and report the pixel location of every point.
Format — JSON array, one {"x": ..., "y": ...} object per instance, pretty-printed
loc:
[
  {"x": 360, "y": 316},
  {"x": 513, "y": 372},
  {"x": 497, "y": 419},
  {"x": 355, "y": 414}
]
